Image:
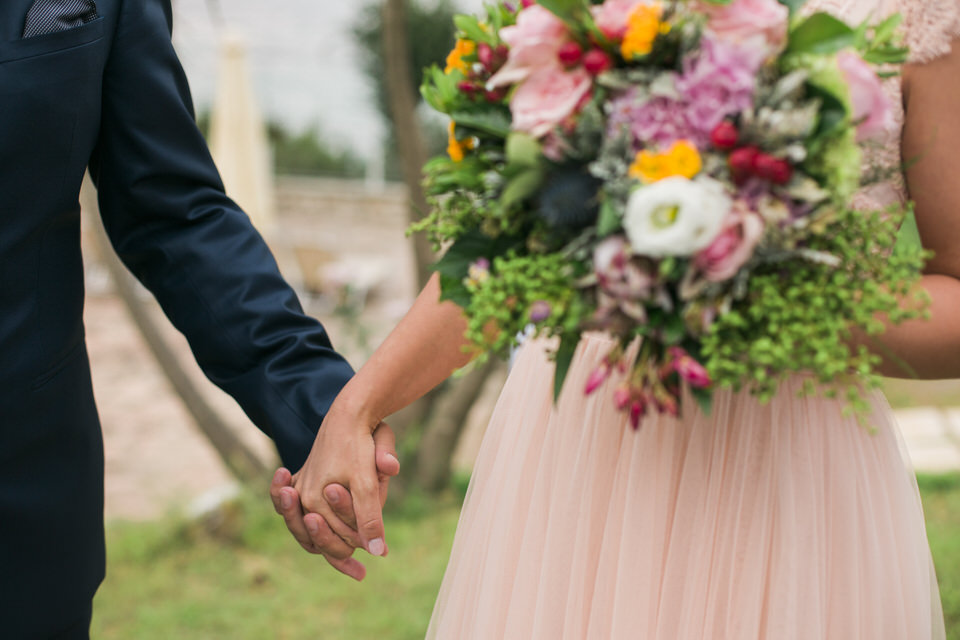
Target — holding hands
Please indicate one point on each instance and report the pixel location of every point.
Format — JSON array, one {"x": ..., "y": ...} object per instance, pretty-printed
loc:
[{"x": 333, "y": 505}]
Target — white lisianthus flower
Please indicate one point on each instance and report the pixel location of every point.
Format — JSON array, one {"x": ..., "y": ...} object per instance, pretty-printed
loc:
[{"x": 675, "y": 216}]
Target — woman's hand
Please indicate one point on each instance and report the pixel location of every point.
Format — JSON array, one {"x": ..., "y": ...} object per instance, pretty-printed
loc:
[
  {"x": 328, "y": 534},
  {"x": 344, "y": 454}
]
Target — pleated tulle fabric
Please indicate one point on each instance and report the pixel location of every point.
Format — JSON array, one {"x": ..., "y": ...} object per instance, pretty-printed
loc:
[{"x": 783, "y": 521}]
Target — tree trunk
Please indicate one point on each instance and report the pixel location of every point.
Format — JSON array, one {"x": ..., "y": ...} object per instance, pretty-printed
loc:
[
  {"x": 412, "y": 151},
  {"x": 245, "y": 466},
  {"x": 406, "y": 126},
  {"x": 447, "y": 422}
]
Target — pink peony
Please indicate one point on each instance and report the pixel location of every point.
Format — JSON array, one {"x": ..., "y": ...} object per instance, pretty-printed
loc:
[
  {"x": 611, "y": 17},
  {"x": 731, "y": 249},
  {"x": 547, "y": 98},
  {"x": 871, "y": 106},
  {"x": 534, "y": 43},
  {"x": 760, "y": 22}
]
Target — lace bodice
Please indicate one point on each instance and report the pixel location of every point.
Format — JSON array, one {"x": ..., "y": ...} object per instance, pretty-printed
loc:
[{"x": 929, "y": 28}]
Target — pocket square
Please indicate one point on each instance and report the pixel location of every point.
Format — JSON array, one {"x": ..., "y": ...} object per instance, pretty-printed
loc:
[{"x": 51, "y": 16}]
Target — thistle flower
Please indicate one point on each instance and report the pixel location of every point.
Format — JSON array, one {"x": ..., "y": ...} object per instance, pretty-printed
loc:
[{"x": 568, "y": 200}]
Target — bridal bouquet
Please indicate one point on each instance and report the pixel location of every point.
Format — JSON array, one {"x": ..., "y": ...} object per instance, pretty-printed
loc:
[{"x": 679, "y": 172}]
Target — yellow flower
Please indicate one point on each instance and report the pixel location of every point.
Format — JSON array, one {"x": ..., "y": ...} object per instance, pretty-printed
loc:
[
  {"x": 460, "y": 50},
  {"x": 681, "y": 159},
  {"x": 456, "y": 148},
  {"x": 643, "y": 27}
]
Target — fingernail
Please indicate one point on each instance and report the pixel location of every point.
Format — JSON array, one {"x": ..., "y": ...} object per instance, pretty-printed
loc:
[
  {"x": 285, "y": 500},
  {"x": 332, "y": 495},
  {"x": 394, "y": 458},
  {"x": 312, "y": 525},
  {"x": 376, "y": 547}
]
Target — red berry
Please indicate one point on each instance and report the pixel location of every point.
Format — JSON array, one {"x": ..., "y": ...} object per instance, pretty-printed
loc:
[
  {"x": 496, "y": 95},
  {"x": 776, "y": 170},
  {"x": 597, "y": 61},
  {"x": 527, "y": 3},
  {"x": 742, "y": 162},
  {"x": 570, "y": 54},
  {"x": 465, "y": 86},
  {"x": 485, "y": 55},
  {"x": 725, "y": 136}
]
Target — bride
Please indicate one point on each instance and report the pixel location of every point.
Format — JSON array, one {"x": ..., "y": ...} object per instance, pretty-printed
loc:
[{"x": 780, "y": 521}]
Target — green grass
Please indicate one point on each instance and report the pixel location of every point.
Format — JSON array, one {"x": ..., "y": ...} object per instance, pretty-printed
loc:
[
  {"x": 941, "y": 504},
  {"x": 242, "y": 577}
]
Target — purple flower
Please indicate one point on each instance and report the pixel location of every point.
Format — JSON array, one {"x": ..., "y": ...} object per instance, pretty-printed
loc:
[
  {"x": 540, "y": 311},
  {"x": 717, "y": 82}
]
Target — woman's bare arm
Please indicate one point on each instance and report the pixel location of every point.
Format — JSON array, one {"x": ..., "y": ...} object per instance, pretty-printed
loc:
[{"x": 931, "y": 148}]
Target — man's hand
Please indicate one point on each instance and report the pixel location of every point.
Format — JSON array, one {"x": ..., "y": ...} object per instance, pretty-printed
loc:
[{"x": 313, "y": 531}]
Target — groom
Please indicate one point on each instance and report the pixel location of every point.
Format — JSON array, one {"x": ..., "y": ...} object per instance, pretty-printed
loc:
[{"x": 96, "y": 83}]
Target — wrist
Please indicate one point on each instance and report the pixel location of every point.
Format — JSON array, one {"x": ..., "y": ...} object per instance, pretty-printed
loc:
[{"x": 353, "y": 407}]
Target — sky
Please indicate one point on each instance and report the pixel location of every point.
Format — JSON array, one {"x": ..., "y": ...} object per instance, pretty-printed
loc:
[{"x": 303, "y": 62}]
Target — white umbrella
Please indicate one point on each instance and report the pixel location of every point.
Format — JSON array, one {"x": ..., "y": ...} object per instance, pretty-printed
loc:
[{"x": 238, "y": 137}]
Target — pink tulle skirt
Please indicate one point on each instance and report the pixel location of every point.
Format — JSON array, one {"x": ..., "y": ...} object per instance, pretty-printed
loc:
[{"x": 782, "y": 521}]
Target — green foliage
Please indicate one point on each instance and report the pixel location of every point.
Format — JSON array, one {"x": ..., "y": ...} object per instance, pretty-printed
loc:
[
  {"x": 800, "y": 319},
  {"x": 500, "y": 306},
  {"x": 308, "y": 153}
]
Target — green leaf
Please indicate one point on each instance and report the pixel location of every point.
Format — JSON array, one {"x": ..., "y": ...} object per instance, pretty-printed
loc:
[
  {"x": 884, "y": 31},
  {"x": 495, "y": 123},
  {"x": 564, "y": 358},
  {"x": 821, "y": 33},
  {"x": 793, "y": 5},
  {"x": 456, "y": 262},
  {"x": 521, "y": 187},
  {"x": 470, "y": 27},
  {"x": 454, "y": 290},
  {"x": 609, "y": 219},
  {"x": 704, "y": 398},
  {"x": 523, "y": 150},
  {"x": 833, "y": 111},
  {"x": 564, "y": 9},
  {"x": 908, "y": 239}
]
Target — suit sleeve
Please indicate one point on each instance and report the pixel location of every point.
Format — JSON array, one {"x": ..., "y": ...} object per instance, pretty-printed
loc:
[{"x": 164, "y": 207}]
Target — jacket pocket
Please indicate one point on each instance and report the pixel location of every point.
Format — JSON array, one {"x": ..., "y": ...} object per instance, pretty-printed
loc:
[{"x": 51, "y": 42}]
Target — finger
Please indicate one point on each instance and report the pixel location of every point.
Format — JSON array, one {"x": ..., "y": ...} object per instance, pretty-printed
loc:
[
  {"x": 366, "y": 503},
  {"x": 349, "y": 567},
  {"x": 340, "y": 501},
  {"x": 293, "y": 516},
  {"x": 282, "y": 478},
  {"x": 385, "y": 443},
  {"x": 344, "y": 531},
  {"x": 324, "y": 539}
]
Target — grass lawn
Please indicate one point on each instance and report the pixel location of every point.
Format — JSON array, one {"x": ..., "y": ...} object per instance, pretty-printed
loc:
[{"x": 242, "y": 577}]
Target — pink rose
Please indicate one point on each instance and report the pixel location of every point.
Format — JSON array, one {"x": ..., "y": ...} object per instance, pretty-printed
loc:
[
  {"x": 611, "y": 17},
  {"x": 547, "y": 98},
  {"x": 871, "y": 106},
  {"x": 734, "y": 245},
  {"x": 748, "y": 21},
  {"x": 534, "y": 43}
]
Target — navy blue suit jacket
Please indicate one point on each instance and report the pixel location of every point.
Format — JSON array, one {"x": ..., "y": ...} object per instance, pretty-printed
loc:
[{"x": 111, "y": 95}]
